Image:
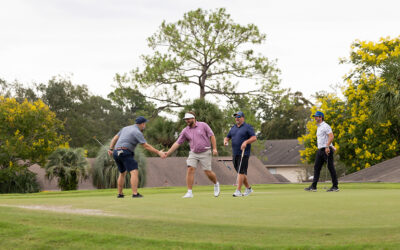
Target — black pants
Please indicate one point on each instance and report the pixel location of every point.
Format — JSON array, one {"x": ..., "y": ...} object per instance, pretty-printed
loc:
[
  {"x": 320, "y": 159},
  {"x": 245, "y": 163}
]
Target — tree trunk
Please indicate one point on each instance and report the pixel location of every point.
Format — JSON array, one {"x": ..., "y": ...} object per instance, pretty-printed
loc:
[
  {"x": 202, "y": 92},
  {"x": 202, "y": 83}
]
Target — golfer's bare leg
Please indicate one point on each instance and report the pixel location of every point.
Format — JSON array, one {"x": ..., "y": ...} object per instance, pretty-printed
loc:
[
  {"x": 245, "y": 182},
  {"x": 121, "y": 182},
  {"x": 134, "y": 180},
  {"x": 211, "y": 175},
  {"x": 190, "y": 177},
  {"x": 240, "y": 181}
]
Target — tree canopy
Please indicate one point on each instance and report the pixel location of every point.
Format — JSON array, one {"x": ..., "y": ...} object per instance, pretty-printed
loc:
[
  {"x": 287, "y": 119},
  {"x": 363, "y": 135},
  {"x": 84, "y": 115},
  {"x": 207, "y": 50},
  {"x": 29, "y": 131}
]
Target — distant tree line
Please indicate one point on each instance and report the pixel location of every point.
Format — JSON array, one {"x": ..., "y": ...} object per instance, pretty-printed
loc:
[{"x": 88, "y": 118}]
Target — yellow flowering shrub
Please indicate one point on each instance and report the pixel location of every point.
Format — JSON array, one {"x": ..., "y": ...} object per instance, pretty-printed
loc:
[
  {"x": 28, "y": 131},
  {"x": 362, "y": 141}
]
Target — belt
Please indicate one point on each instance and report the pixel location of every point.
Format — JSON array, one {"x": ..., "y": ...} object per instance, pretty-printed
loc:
[{"x": 122, "y": 148}]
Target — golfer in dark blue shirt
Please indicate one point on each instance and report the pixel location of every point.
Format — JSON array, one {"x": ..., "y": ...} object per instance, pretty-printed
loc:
[{"x": 242, "y": 135}]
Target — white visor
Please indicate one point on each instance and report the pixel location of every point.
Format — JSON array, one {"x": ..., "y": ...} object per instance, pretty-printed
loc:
[{"x": 188, "y": 116}]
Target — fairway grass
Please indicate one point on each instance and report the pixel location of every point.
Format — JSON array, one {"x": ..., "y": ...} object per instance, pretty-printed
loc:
[{"x": 360, "y": 216}]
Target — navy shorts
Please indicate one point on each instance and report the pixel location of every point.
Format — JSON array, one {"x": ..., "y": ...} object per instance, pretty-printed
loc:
[
  {"x": 125, "y": 161},
  {"x": 244, "y": 166}
]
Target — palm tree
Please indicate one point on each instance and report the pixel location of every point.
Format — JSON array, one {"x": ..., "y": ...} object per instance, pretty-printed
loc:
[
  {"x": 68, "y": 165},
  {"x": 105, "y": 171},
  {"x": 160, "y": 132}
]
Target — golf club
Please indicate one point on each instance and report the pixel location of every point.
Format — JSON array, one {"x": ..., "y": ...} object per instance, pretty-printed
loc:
[
  {"x": 326, "y": 171},
  {"x": 94, "y": 138},
  {"x": 240, "y": 165}
]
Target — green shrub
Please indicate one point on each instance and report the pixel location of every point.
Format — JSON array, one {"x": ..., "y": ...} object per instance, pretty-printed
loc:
[
  {"x": 161, "y": 134},
  {"x": 67, "y": 165},
  {"x": 18, "y": 179}
]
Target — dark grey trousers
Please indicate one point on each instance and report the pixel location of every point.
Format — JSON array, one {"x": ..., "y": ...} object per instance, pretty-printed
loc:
[{"x": 320, "y": 159}]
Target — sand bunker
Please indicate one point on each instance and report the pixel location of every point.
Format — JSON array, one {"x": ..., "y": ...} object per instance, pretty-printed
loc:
[{"x": 62, "y": 209}]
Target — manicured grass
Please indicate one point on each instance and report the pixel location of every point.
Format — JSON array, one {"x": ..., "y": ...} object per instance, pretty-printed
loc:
[{"x": 360, "y": 216}]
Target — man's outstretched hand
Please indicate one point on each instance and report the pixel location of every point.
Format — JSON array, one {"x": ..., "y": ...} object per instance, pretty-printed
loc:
[{"x": 162, "y": 154}]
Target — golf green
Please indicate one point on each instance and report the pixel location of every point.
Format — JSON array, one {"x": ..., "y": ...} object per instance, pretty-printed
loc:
[{"x": 360, "y": 216}]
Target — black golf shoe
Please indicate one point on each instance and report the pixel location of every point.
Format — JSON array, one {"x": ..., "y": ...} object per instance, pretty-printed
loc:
[
  {"x": 333, "y": 189},
  {"x": 310, "y": 189},
  {"x": 120, "y": 196},
  {"x": 137, "y": 195}
]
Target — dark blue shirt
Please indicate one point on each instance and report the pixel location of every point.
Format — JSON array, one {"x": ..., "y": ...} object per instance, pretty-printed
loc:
[{"x": 238, "y": 135}]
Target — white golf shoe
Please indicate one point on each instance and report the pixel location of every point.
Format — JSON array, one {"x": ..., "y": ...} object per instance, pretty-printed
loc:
[
  {"x": 248, "y": 191},
  {"x": 237, "y": 193},
  {"x": 188, "y": 195},
  {"x": 216, "y": 189}
]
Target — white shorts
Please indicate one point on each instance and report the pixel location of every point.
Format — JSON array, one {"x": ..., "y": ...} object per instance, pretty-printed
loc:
[{"x": 204, "y": 158}]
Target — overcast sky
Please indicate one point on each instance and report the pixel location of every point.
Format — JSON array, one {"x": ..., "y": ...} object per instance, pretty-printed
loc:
[{"x": 94, "y": 40}]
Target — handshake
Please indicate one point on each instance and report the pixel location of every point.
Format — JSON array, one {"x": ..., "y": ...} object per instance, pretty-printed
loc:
[{"x": 162, "y": 154}]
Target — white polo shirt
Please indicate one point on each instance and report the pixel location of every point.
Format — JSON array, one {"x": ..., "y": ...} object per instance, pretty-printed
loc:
[{"x": 323, "y": 131}]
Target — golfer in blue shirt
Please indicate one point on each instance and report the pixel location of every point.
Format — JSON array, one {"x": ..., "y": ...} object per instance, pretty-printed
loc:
[{"x": 242, "y": 135}]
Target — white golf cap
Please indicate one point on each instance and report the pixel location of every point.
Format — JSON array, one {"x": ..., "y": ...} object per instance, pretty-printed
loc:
[{"x": 188, "y": 116}]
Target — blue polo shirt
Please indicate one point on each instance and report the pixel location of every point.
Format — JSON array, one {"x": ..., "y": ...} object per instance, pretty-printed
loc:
[{"x": 238, "y": 135}]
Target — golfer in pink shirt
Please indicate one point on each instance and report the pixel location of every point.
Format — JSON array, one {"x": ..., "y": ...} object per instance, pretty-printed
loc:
[{"x": 201, "y": 138}]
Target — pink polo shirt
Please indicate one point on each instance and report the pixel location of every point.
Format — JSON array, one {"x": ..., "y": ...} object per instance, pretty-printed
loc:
[{"x": 198, "y": 137}]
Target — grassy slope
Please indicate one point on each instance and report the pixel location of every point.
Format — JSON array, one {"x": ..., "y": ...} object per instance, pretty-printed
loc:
[{"x": 276, "y": 216}]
